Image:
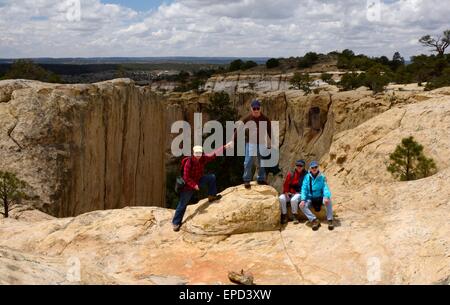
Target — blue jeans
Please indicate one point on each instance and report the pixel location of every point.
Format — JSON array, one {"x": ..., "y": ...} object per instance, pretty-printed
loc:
[
  {"x": 252, "y": 152},
  {"x": 310, "y": 215},
  {"x": 185, "y": 197}
]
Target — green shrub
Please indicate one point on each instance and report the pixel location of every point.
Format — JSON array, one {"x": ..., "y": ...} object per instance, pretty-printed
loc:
[
  {"x": 236, "y": 65},
  {"x": 301, "y": 81},
  {"x": 328, "y": 78},
  {"x": 440, "y": 81},
  {"x": 308, "y": 60},
  {"x": 248, "y": 65},
  {"x": 377, "y": 78},
  {"x": 27, "y": 69},
  {"x": 351, "y": 81},
  {"x": 272, "y": 63}
]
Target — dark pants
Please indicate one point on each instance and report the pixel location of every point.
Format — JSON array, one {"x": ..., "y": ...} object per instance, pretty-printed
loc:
[{"x": 185, "y": 197}]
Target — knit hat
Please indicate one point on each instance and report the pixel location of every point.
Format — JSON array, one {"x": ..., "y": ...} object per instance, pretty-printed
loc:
[{"x": 198, "y": 150}]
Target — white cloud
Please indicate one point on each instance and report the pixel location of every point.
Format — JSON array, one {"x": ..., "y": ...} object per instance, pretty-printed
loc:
[{"x": 34, "y": 28}]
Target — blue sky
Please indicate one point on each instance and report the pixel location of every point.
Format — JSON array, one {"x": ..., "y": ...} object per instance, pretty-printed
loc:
[{"x": 139, "y": 5}]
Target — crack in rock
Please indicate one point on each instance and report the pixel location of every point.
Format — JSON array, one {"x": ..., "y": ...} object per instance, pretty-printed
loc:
[{"x": 10, "y": 131}]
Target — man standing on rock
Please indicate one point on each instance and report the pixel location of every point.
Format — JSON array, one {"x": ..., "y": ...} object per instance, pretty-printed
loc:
[
  {"x": 291, "y": 191},
  {"x": 255, "y": 143},
  {"x": 193, "y": 176},
  {"x": 315, "y": 193}
]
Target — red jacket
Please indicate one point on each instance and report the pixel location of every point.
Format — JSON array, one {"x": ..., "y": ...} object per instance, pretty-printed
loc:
[
  {"x": 293, "y": 185},
  {"x": 195, "y": 169}
]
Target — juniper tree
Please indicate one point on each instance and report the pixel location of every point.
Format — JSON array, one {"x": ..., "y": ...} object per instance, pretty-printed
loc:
[{"x": 438, "y": 44}]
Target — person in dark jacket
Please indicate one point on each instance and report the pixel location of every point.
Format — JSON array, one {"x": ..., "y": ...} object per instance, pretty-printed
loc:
[
  {"x": 254, "y": 144},
  {"x": 194, "y": 177},
  {"x": 291, "y": 191}
]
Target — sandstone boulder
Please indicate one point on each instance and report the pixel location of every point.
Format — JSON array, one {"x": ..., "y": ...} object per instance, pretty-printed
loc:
[{"x": 239, "y": 211}]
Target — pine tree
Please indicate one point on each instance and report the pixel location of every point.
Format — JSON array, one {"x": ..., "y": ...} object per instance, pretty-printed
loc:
[
  {"x": 11, "y": 191},
  {"x": 408, "y": 162}
]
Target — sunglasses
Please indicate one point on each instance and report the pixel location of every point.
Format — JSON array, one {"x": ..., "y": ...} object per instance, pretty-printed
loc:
[
  {"x": 299, "y": 165},
  {"x": 315, "y": 167},
  {"x": 256, "y": 108}
]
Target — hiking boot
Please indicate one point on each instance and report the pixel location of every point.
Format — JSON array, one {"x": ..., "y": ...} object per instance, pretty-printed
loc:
[
  {"x": 315, "y": 224},
  {"x": 330, "y": 225},
  {"x": 262, "y": 183},
  {"x": 214, "y": 198},
  {"x": 247, "y": 185},
  {"x": 284, "y": 219},
  {"x": 296, "y": 219},
  {"x": 176, "y": 228}
]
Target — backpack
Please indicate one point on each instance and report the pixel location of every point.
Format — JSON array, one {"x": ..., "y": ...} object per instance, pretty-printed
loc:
[
  {"x": 179, "y": 181},
  {"x": 316, "y": 202}
]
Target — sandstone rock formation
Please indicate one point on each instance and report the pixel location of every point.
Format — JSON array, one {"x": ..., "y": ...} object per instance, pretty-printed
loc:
[
  {"x": 387, "y": 232},
  {"x": 18, "y": 268},
  {"x": 84, "y": 147},
  {"x": 240, "y": 211}
]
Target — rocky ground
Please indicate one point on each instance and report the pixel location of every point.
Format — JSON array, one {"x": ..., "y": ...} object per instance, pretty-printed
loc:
[{"x": 387, "y": 232}]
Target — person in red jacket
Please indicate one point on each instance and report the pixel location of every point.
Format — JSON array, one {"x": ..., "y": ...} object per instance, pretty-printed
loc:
[
  {"x": 194, "y": 177},
  {"x": 291, "y": 191}
]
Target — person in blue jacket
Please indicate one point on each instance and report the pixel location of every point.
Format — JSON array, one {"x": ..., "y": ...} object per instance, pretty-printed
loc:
[{"x": 315, "y": 193}]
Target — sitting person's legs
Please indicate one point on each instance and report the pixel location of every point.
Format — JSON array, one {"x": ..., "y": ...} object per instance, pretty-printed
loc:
[
  {"x": 294, "y": 203},
  {"x": 284, "y": 200},
  {"x": 307, "y": 211},
  {"x": 329, "y": 208}
]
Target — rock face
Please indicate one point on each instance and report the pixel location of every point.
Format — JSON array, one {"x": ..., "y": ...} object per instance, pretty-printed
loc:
[
  {"x": 84, "y": 147},
  {"x": 235, "y": 83},
  {"x": 386, "y": 232}
]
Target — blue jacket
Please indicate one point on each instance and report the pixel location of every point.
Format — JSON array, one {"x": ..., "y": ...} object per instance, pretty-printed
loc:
[{"x": 319, "y": 187}]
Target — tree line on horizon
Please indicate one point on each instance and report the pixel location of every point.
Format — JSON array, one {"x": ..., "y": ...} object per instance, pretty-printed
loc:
[{"x": 373, "y": 72}]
